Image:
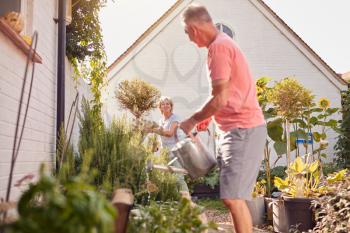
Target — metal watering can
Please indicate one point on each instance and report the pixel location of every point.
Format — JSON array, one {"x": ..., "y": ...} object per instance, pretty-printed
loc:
[{"x": 193, "y": 155}]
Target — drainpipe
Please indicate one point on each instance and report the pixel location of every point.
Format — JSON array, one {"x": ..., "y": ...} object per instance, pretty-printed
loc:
[{"x": 61, "y": 67}]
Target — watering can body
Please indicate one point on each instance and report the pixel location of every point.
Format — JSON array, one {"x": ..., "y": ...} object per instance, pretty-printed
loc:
[{"x": 194, "y": 157}]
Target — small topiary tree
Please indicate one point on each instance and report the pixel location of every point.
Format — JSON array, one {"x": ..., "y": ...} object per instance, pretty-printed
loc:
[
  {"x": 138, "y": 96},
  {"x": 290, "y": 98}
]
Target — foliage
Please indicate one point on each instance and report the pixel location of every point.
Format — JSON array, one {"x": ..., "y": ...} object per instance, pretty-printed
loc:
[
  {"x": 117, "y": 152},
  {"x": 84, "y": 37},
  {"x": 290, "y": 98},
  {"x": 274, "y": 130},
  {"x": 315, "y": 121},
  {"x": 332, "y": 211},
  {"x": 259, "y": 189},
  {"x": 343, "y": 144},
  {"x": 84, "y": 46},
  {"x": 169, "y": 217},
  {"x": 303, "y": 179},
  {"x": 165, "y": 183},
  {"x": 66, "y": 160},
  {"x": 71, "y": 206},
  {"x": 137, "y": 96}
]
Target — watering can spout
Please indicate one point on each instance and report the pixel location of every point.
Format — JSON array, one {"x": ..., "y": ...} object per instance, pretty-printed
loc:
[{"x": 167, "y": 168}]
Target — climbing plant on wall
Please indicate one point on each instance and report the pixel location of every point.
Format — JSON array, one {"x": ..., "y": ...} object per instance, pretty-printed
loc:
[{"x": 85, "y": 49}]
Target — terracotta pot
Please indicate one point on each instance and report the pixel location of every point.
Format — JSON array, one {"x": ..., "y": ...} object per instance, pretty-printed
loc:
[
  {"x": 279, "y": 216},
  {"x": 299, "y": 213},
  {"x": 123, "y": 200},
  {"x": 256, "y": 207}
]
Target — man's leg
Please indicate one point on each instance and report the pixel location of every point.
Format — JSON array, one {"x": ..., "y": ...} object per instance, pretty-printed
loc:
[{"x": 242, "y": 220}]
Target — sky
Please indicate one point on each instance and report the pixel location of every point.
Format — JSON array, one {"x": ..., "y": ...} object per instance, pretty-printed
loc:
[{"x": 323, "y": 24}]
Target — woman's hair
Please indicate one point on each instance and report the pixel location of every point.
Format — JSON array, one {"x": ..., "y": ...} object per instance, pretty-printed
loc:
[
  {"x": 166, "y": 99},
  {"x": 196, "y": 13}
]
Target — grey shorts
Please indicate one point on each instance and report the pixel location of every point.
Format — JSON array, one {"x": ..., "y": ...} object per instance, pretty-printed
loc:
[{"x": 240, "y": 153}]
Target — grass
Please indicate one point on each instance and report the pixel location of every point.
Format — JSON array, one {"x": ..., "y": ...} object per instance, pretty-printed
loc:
[{"x": 212, "y": 204}]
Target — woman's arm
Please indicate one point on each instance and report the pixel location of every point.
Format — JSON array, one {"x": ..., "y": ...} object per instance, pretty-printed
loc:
[{"x": 167, "y": 133}]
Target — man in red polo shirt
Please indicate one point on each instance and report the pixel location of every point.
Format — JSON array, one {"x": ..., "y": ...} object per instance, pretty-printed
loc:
[{"x": 236, "y": 112}]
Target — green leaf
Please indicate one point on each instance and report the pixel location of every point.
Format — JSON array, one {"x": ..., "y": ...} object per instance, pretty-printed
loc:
[
  {"x": 280, "y": 147},
  {"x": 313, "y": 120},
  {"x": 331, "y": 123},
  {"x": 330, "y": 111},
  {"x": 317, "y": 136},
  {"x": 275, "y": 130}
]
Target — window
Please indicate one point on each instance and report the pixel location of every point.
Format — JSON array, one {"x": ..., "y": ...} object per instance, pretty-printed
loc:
[
  {"x": 9, "y": 5},
  {"x": 25, "y": 7},
  {"x": 224, "y": 28}
]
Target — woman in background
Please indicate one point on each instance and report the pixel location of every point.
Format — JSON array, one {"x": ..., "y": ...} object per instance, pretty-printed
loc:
[{"x": 170, "y": 134}]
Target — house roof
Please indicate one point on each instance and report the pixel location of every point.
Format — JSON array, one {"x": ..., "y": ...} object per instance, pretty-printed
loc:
[
  {"x": 346, "y": 76},
  {"x": 263, "y": 4}
]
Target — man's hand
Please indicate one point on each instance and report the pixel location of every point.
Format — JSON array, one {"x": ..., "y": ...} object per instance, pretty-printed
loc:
[{"x": 187, "y": 125}]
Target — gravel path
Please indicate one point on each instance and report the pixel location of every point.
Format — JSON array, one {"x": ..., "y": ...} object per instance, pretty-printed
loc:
[{"x": 223, "y": 220}]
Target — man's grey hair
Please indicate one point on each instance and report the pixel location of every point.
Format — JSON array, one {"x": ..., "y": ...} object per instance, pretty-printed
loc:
[{"x": 196, "y": 13}]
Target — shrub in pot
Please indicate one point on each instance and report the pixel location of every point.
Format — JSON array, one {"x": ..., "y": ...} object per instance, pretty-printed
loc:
[{"x": 299, "y": 188}]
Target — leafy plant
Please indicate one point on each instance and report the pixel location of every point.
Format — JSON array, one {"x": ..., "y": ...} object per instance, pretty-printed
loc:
[
  {"x": 169, "y": 217},
  {"x": 315, "y": 121},
  {"x": 303, "y": 179},
  {"x": 138, "y": 96},
  {"x": 117, "y": 152},
  {"x": 274, "y": 130},
  {"x": 165, "y": 183},
  {"x": 84, "y": 46},
  {"x": 259, "y": 189},
  {"x": 332, "y": 210},
  {"x": 343, "y": 144},
  {"x": 290, "y": 98},
  {"x": 70, "y": 207}
]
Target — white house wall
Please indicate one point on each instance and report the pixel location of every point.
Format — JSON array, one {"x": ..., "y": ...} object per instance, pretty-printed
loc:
[
  {"x": 177, "y": 67},
  {"x": 38, "y": 143}
]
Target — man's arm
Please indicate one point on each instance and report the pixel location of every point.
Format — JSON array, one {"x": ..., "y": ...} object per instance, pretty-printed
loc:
[{"x": 218, "y": 100}]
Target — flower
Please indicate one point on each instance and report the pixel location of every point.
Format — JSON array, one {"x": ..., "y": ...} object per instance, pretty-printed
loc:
[{"x": 324, "y": 103}]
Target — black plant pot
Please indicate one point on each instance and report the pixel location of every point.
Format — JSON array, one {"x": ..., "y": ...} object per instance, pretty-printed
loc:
[
  {"x": 299, "y": 213},
  {"x": 205, "y": 191}
]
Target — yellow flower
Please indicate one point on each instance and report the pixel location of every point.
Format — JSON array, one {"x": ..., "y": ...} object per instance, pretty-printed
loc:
[{"x": 324, "y": 103}]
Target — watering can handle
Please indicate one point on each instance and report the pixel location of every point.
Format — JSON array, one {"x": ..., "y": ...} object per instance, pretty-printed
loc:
[{"x": 190, "y": 134}]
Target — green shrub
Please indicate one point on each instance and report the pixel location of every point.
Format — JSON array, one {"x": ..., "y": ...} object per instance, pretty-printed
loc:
[
  {"x": 71, "y": 207},
  {"x": 169, "y": 217},
  {"x": 332, "y": 211},
  {"x": 165, "y": 184},
  {"x": 343, "y": 144}
]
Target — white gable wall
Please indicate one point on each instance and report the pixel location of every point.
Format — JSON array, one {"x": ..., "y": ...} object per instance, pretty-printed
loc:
[
  {"x": 38, "y": 143},
  {"x": 177, "y": 67}
]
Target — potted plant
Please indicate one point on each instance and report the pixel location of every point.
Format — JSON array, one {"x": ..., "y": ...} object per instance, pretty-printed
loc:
[{"x": 300, "y": 187}]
